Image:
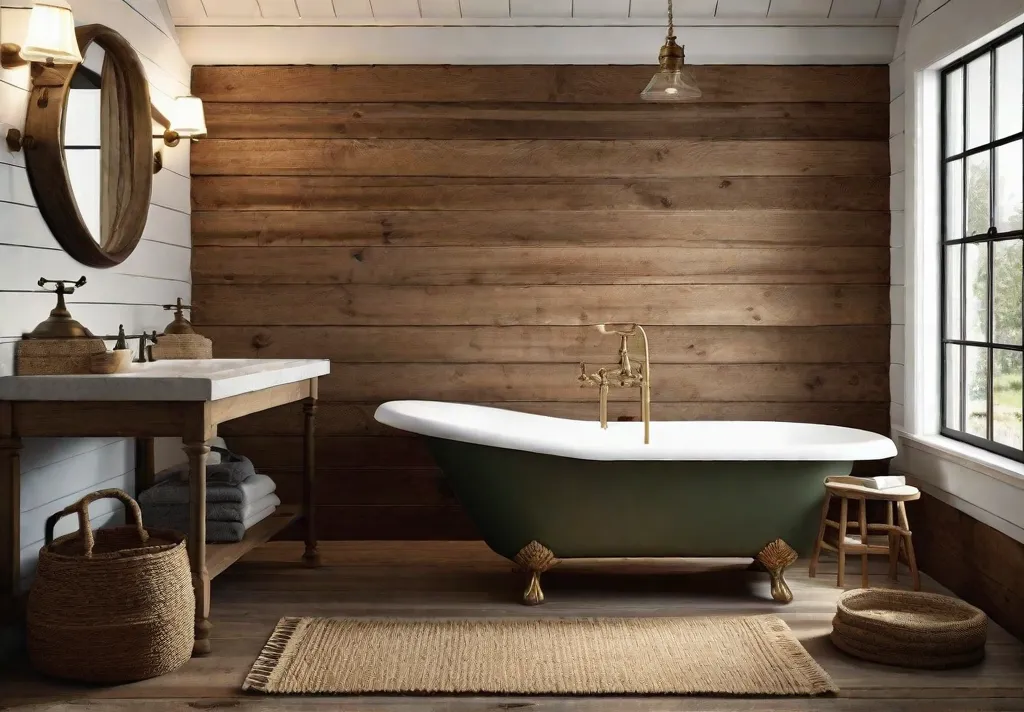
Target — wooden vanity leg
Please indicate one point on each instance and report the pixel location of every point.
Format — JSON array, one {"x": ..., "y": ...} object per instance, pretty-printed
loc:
[
  {"x": 197, "y": 452},
  {"x": 10, "y": 509},
  {"x": 776, "y": 558},
  {"x": 535, "y": 559},
  {"x": 311, "y": 556}
]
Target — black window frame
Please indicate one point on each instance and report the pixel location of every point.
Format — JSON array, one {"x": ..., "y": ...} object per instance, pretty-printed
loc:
[{"x": 991, "y": 237}]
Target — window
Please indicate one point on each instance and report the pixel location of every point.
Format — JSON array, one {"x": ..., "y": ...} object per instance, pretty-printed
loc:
[{"x": 982, "y": 241}]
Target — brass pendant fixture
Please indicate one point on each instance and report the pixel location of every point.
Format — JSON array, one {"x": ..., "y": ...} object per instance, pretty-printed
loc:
[{"x": 673, "y": 82}]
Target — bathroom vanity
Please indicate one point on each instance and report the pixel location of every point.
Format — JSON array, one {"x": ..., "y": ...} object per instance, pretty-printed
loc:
[{"x": 185, "y": 399}]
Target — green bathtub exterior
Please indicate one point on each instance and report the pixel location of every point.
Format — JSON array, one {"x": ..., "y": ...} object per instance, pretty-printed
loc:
[{"x": 595, "y": 509}]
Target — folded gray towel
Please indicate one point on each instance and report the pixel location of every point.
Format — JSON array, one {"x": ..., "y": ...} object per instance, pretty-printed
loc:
[
  {"x": 218, "y": 532},
  {"x": 177, "y": 515},
  {"x": 231, "y": 470},
  {"x": 175, "y": 491}
]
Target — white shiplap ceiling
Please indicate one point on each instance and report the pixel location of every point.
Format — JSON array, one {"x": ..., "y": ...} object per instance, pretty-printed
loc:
[{"x": 537, "y": 12}]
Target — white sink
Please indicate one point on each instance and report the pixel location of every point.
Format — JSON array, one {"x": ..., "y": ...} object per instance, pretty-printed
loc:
[{"x": 184, "y": 380}]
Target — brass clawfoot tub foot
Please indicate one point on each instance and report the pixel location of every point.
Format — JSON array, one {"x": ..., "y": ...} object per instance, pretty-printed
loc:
[
  {"x": 535, "y": 559},
  {"x": 776, "y": 557}
]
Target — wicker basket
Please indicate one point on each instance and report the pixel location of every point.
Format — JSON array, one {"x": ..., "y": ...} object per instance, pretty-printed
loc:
[
  {"x": 182, "y": 346},
  {"x": 114, "y": 605},
  {"x": 61, "y": 357},
  {"x": 909, "y": 629}
]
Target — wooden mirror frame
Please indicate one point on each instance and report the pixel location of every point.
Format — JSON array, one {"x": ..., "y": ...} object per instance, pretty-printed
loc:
[{"x": 47, "y": 169}]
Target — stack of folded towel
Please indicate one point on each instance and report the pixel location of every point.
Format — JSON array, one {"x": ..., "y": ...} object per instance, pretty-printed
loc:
[{"x": 237, "y": 498}]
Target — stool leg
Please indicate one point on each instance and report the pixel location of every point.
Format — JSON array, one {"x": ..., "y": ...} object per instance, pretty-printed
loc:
[
  {"x": 813, "y": 570},
  {"x": 841, "y": 548},
  {"x": 864, "y": 583},
  {"x": 911, "y": 559},
  {"x": 895, "y": 542}
]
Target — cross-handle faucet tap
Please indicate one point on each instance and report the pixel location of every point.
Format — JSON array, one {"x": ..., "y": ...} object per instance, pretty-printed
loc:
[
  {"x": 146, "y": 352},
  {"x": 628, "y": 374}
]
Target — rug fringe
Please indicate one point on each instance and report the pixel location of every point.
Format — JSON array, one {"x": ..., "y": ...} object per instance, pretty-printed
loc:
[
  {"x": 798, "y": 657},
  {"x": 259, "y": 676}
]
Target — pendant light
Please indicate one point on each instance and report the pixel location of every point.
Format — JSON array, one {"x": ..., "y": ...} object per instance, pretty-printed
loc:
[{"x": 673, "y": 82}]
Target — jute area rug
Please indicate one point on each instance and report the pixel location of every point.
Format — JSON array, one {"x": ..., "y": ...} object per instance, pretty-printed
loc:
[{"x": 644, "y": 656}]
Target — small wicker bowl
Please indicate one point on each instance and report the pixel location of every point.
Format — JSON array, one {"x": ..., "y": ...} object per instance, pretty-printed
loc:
[{"x": 909, "y": 628}]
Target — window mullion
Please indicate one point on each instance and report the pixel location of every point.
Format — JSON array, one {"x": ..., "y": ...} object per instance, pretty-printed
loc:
[
  {"x": 962, "y": 381},
  {"x": 990, "y": 337}
]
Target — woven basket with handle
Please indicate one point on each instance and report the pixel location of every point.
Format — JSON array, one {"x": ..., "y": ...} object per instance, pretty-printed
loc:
[{"x": 111, "y": 605}]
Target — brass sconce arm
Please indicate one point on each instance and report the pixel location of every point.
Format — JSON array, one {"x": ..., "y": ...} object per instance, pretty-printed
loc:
[
  {"x": 170, "y": 138},
  {"x": 10, "y": 56}
]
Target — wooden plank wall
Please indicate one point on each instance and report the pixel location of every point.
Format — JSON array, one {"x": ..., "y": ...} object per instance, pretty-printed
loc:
[
  {"x": 449, "y": 233},
  {"x": 975, "y": 561}
]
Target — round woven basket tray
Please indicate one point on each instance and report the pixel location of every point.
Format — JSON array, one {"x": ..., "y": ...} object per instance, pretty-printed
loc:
[{"x": 909, "y": 629}]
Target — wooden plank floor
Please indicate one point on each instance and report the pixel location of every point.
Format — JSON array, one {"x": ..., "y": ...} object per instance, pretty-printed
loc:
[{"x": 464, "y": 579}]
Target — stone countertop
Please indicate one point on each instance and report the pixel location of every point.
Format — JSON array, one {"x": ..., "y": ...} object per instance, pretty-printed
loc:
[{"x": 178, "y": 380}]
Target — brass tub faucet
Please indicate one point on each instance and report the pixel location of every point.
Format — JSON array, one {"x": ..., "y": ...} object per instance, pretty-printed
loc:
[{"x": 628, "y": 374}]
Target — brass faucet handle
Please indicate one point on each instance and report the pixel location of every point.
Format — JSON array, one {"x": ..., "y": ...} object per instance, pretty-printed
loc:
[{"x": 592, "y": 379}]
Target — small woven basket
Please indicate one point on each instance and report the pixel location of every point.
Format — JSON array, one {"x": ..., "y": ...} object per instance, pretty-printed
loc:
[
  {"x": 182, "y": 346},
  {"x": 909, "y": 628},
  {"x": 112, "y": 605},
  {"x": 60, "y": 357}
]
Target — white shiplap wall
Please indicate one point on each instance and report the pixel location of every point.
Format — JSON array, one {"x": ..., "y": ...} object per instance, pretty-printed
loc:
[
  {"x": 57, "y": 472},
  {"x": 897, "y": 204},
  {"x": 983, "y": 485}
]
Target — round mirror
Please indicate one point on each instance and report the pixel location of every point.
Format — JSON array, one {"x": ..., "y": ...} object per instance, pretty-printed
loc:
[{"x": 91, "y": 164}]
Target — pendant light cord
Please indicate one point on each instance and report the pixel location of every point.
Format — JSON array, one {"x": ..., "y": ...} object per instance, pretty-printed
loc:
[{"x": 671, "y": 23}]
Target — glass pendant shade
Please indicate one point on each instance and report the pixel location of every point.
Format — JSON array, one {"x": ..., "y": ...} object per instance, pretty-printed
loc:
[
  {"x": 668, "y": 85},
  {"x": 51, "y": 35},
  {"x": 673, "y": 82},
  {"x": 188, "y": 119}
]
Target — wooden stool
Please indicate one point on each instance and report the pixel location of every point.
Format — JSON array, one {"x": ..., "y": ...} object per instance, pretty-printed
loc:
[{"x": 847, "y": 488}]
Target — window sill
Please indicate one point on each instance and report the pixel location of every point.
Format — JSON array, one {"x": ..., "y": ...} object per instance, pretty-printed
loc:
[
  {"x": 984, "y": 485},
  {"x": 982, "y": 461}
]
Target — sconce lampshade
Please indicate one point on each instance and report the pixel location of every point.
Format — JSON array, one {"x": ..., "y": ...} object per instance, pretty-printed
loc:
[
  {"x": 51, "y": 34},
  {"x": 187, "y": 117}
]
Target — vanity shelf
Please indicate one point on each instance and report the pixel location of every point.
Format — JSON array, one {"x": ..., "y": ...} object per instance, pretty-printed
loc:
[{"x": 220, "y": 556}]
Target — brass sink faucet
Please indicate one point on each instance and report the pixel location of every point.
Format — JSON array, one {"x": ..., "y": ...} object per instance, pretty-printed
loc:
[{"x": 628, "y": 374}]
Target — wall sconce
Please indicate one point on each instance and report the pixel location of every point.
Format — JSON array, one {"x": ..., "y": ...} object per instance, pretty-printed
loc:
[
  {"x": 188, "y": 120},
  {"x": 50, "y": 39}
]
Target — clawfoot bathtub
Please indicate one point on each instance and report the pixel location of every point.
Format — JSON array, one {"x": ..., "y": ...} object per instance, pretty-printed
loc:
[{"x": 541, "y": 489}]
